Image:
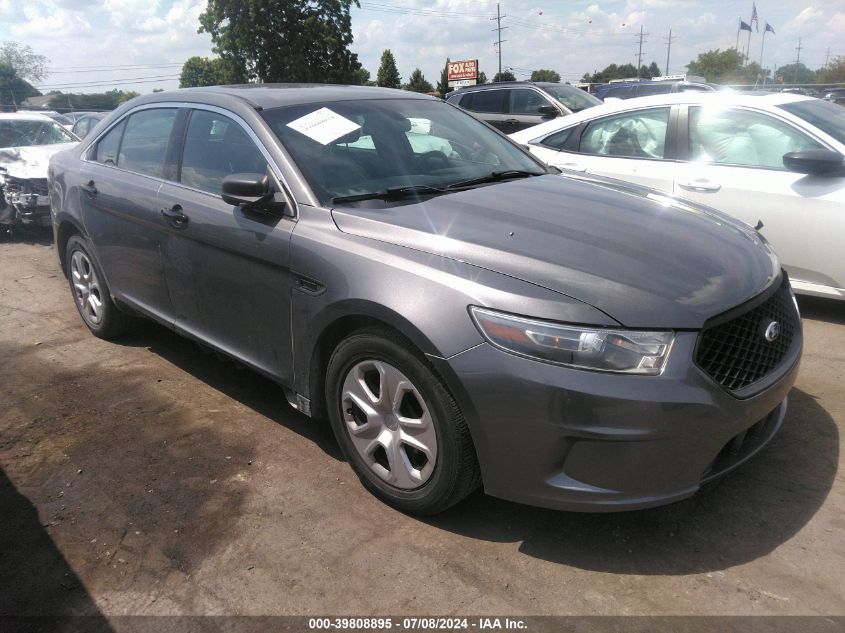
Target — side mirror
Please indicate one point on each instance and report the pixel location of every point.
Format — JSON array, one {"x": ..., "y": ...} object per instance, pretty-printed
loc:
[
  {"x": 548, "y": 110},
  {"x": 813, "y": 161},
  {"x": 246, "y": 189}
]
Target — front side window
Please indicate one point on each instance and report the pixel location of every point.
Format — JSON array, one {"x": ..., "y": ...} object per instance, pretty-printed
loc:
[
  {"x": 524, "y": 101},
  {"x": 144, "y": 146},
  {"x": 558, "y": 139},
  {"x": 733, "y": 136},
  {"x": 638, "y": 134},
  {"x": 574, "y": 99},
  {"x": 355, "y": 147},
  {"x": 491, "y": 101},
  {"x": 215, "y": 147}
]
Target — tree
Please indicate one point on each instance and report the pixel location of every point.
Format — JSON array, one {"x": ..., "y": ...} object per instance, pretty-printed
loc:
[
  {"x": 26, "y": 63},
  {"x": 834, "y": 72},
  {"x": 796, "y": 74},
  {"x": 13, "y": 89},
  {"x": 361, "y": 77},
  {"x": 202, "y": 71},
  {"x": 725, "y": 67},
  {"x": 388, "y": 74},
  {"x": 418, "y": 83},
  {"x": 613, "y": 71},
  {"x": 284, "y": 40},
  {"x": 505, "y": 75},
  {"x": 443, "y": 85},
  {"x": 482, "y": 78},
  {"x": 653, "y": 70},
  {"x": 545, "y": 75},
  {"x": 91, "y": 101}
]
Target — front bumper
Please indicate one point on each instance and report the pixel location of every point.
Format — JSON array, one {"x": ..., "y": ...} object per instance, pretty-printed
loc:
[
  {"x": 589, "y": 441},
  {"x": 30, "y": 208}
]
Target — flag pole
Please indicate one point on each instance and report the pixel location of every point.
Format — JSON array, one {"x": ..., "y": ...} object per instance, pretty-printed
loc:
[
  {"x": 748, "y": 46},
  {"x": 762, "y": 44},
  {"x": 738, "y": 29}
]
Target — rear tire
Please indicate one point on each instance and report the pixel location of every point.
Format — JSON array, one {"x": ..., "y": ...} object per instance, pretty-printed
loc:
[
  {"x": 398, "y": 426},
  {"x": 90, "y": 292}
]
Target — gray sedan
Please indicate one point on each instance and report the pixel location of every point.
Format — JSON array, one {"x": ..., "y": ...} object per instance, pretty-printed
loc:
[{"x": 462, "y": 316}]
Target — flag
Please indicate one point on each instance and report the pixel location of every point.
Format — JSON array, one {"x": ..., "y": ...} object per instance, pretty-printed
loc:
[
  {"x": 769, "y": 29},
  {"x": 743, "y": 26},
  {"x": 754, "y": 20}
]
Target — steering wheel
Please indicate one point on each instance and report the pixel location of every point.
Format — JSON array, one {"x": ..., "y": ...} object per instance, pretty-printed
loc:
[{"x": 435, "y": 155}]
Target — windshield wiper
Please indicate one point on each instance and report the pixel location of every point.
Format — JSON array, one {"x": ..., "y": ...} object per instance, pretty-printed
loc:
[
  {"x": 495, "y": 176},
  {"x": 391, "y": 193}
]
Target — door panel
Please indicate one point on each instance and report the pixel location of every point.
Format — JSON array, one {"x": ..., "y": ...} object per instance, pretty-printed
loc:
[
  {"x": 227, "y": 268},
  {"x": 120, "y": 209},
  {"x": 738, "y": 168}
]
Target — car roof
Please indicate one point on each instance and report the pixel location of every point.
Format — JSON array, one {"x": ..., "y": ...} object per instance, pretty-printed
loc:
[
  {"x": 768, "y": 99},
  {"x": 24, "y": 116},
  {"x": 267, "y": 96}
]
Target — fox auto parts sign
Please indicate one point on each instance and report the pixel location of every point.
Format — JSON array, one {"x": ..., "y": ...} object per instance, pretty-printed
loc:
[{"x": 462, "y": 72}]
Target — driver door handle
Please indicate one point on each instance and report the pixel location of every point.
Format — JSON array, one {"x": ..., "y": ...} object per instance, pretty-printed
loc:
[
  {"x": 175, "y": 217},
  {"x": 700, "y": 184},
  {"x": 90, "y": 188}
]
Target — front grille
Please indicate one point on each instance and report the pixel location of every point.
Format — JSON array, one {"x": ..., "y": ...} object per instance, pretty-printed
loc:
[{"x": 737, "y": 354}]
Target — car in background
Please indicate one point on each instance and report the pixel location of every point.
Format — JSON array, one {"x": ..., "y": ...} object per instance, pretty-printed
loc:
[
  {"x": 773, "y": 158},
  {"x": 27, "y": 141},
  {"x": 86, "y": 122},
  {"x": 837, "y": 95},
  {"x": 460, "y": 313},
  {"x": 511, "y": 106},
  {"x": 648, "y": 87}
]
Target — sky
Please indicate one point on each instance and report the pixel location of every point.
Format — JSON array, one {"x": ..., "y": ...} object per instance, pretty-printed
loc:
[{"x": 97, "y": 45}]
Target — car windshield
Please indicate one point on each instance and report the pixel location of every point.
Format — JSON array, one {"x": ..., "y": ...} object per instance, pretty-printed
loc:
[
  {"x": 360, "y": 147},
  {"x": 828, "y": 117},
  {"x": 25, "y": 132},
  {"x": 573, "y": 98}
]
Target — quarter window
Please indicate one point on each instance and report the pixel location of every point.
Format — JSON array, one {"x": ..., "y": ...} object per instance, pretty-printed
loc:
[
  {"x": 215, "y": 147},
  {"x": 733, "y": 136},
  {"x": 144, "y": 144},
  {"x": 639, "y": 134},
  {"x": 110, "y": 143},
  {"x": 558, "y": 139}
]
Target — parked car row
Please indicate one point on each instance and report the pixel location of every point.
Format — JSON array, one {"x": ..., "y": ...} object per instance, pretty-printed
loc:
[{"x": 464, "y": 314}]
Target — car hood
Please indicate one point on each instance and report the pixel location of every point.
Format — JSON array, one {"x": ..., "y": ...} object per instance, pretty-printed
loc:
[
  {"x": 643, "y": 258},
  {"x": 31, "y": 161}
]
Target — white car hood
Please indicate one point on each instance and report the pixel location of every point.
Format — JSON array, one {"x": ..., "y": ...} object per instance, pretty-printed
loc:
[{"x": 30, "y": 162}]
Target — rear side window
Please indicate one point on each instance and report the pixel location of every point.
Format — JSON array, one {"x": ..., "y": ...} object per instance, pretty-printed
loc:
[
  {"x": 637, "y": 134},
  {"x": 108, "y": 146},
  {"x": 215, "y": 147},
  {"x": 644, "y": 90},
  {"x": 492, "y": 101},
  {"x": 144, "y": 146}
]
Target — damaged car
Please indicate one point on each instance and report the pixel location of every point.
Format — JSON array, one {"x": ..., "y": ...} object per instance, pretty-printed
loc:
[{"x": 27, "y": 141}]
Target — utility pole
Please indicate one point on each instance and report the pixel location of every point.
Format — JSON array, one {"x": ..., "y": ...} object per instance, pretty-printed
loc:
[
  {"x": 499, "y": 39},
  {"x": 640, "y": 53},
  {"x": 827, "y": 57},
  {"x": 797, "y": 61},
  {"x": 668, "y": 50}
]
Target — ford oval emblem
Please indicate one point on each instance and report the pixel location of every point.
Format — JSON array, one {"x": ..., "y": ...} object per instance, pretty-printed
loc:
[{"x": 772, "y": 331}]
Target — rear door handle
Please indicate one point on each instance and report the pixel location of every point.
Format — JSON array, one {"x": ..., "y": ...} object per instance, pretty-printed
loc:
[
  {"x": 700, "y": 184},
  {"x": 90, "y": 188},
  {"x": 175, "y": 217}
]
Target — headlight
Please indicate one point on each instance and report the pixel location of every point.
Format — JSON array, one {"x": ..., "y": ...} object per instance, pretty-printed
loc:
[{"x": 627, "y": 351}]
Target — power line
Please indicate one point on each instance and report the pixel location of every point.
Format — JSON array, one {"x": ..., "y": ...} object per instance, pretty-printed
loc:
[
  {"x": 100, "y": 69},
  {"x": 127, "y": 80}
]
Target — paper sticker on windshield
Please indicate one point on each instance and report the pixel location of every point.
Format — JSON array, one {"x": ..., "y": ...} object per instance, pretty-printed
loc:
[{"x": 324, "y": 126}]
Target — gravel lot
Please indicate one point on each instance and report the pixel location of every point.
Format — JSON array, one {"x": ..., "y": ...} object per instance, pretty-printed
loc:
[{"x": 147, "y": 477}]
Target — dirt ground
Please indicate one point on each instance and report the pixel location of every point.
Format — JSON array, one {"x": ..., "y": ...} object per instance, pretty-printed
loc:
[{"x": 147, "y": 477}]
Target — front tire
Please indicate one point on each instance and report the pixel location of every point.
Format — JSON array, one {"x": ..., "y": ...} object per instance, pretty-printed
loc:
[
  {"x": 90, "y": 292},
  {"x": 398, "y": 426}
]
